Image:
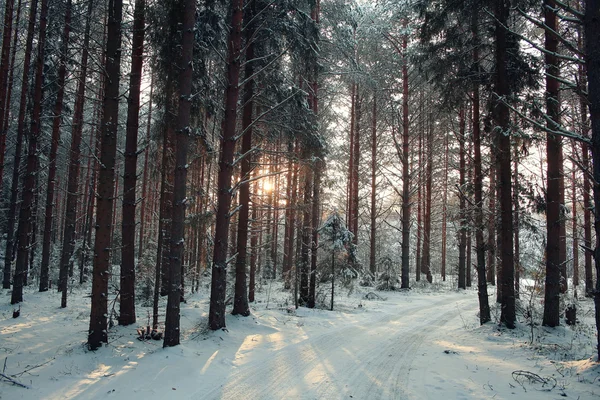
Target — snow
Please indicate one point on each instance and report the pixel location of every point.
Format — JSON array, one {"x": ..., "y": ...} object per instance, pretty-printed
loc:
[{"x": 421, "y": 344}]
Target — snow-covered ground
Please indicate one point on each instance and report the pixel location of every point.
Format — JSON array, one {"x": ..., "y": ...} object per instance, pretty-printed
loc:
[{"x": 421, "y": 344}]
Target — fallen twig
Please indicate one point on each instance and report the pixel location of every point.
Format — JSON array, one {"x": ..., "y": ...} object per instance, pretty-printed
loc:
[
  {"x": 33, "y": 367},
  {"x": 520, "y": 376},
  {"x": 13, "y": 381}
]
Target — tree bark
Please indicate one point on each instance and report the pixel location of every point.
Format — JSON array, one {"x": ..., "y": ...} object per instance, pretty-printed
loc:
[
  {"x": 240, "y": 302},
  {"x": 172, "y": 331},
  {"x": 484, "y": 308},
  {"x": 216, "y": 317},
  {"x": 108, "y": 149},
  {"x": 56, "y": 125},
  {"x": 12, "y": 212},
  {"x": 592, "y": 38},
  {"x": 26, "y": 213},
  {"x": 462, "y": 240},
  {"x": 426, "y": 255},
  {"x": 502, "y": 118},
  {"x": 127, "y": 293},
  {"x": 553, "y": 283},
  {"x": 4, "y": 70},
  {"x": 373, "y": 238},
  {"x": 406, "y": 203}
]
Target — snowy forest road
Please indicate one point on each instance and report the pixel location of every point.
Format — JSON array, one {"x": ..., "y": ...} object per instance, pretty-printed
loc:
[{"x": 368, "y": 359}]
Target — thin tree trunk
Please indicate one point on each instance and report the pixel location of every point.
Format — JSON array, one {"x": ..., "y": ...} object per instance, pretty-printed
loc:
[
  {"x": 426, "y": 255},
  {"x": 56, "y": 125},
  {"x": 4, "y": 70},
  {"x": 373, "y": 238},
  {"x": 445, "y": 207},
  {"x": 406, "y": 203},
  {"x": 240, "y": 302},
  {"x": 144, "y": 201},
  {"x": 27, "y": 213},
  {"x": 575, "y": 226},
  {"x": 462, "y": 233},
  {"x": 517, "y": 225},
  {"x": 307, "y": 176},
  {"x": 127, "y": 293},
  {"x": 12, "y": 212},
  {"x": 484, "y": 308},
  {"x": 502, "y": 118}
]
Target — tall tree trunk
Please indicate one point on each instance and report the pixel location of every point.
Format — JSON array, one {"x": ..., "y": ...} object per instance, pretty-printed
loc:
[
  {"x": 592, "y": 38},
  {"x": 253, "y": 246},
  {"x": 373, "y": 238},
  {"x": 419, "y": 168},
  {"x": 350, "y": 189},
  {"x": 127, "y": 293},
  {"x": 517, "y": 224},
  {"x": 56, "y": 125},
  {"x": 462, "y": 233},
  {"x": 484, "y": 308},
  {"x": 587, "y": 204},
  {"x": 491, "y": 222},
  {"x": 553, "y": 282},
  {"x": 4, "y": 70},
  {"x": 406, "y": 203},
  {"x": 316, "y": 220},
  {"x": 216, "y": 317},
  {"x": 26, "y": 213},
  {"x": 289, "y": 209},
  {"x": 108, "y": 150},
  {"x": 74, "y": 166},
  {"x": 172, "y": 331},
  {"x": 575, "y": 226},
  {"x": 240, "y": 302},
  {"x": 356, "y": 169},
  {"x": 502, "y": 119},
  {"x": 12, "y": 212},
  {"x": 426, "y": 256},
  {"x": 144, "y": 204},
  {"x": 445, "y": 207},
  {"x": 307, "y": 177}
]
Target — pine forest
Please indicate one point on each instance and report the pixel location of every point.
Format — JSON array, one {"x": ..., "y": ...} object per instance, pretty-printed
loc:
[{"x": 300, "y": 199}]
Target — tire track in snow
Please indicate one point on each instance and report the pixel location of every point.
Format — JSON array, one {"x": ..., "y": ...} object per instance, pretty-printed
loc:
[{"x": 371, "y": 360}]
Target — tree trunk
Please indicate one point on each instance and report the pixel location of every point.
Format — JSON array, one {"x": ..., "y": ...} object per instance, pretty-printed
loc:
[
  {"x": 426, "y": 256},
  {"x": 26, "y": 213},
  {"x": 144, "y": 201},
  {"x": 517, "y": 225},
  {"x": 56, "y": 124},
  {"x": 12, "y": 212},
  {"x": 405, "y": 173},
  {"x": 127, "y": 293},
  {"x": 553, "y": 282},
  {"x": 172, "y": 331},
  {"x": 4, "y": 69},
  {"x": 307, "y": 177},
  {"x": 240, "y": 302},
  {"x": 216, "y": 317},
  {"x": 373, "y": 238},
  {"x": 484, "y": 308},
  {"x": 575, "y": 226},
  {"x": 502, "y": 119},
  {"x": 108, "y": 150},
  {"x": 445, "y": 207},
  {"x": 462, "y": 241},
  {"x": 592, "y": 38}
]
